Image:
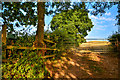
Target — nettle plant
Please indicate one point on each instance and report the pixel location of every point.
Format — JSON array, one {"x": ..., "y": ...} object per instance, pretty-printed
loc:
[{"x": 25, "y": 65}]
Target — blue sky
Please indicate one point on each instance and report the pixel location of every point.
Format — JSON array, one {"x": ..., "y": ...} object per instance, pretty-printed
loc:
[{"x": 104, "y": 25}]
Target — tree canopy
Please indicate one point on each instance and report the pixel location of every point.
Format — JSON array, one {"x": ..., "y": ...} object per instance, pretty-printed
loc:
[
  {"x": 18, "y": 13},
  {"x": 72, "y": 21}
]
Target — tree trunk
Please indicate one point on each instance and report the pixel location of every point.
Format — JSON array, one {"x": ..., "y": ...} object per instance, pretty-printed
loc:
[
  {"x": 4, "y": 27},
  {"x": 40, "y": 28}
]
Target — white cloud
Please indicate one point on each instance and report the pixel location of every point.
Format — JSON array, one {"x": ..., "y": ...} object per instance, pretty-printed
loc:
[
  {"x": 113, "y": 24},
  {"x": 92, "y": 37},
  {"x": 33, "y": 29},
  {"x": 108, "y": 14},
  {"x": 94, "y": 17},
  {"x": 106, "y": 19},
  {"x": 102, "y": 26},
  {"x": 102, "y": 18},
  {"x": 98, "y": 28},
  {"x": 100, "y": 22},
  {"x": 90, "y": 9},
  {"x": 47, "y": 27}
]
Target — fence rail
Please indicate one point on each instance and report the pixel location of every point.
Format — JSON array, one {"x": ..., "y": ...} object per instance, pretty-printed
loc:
[{"x": 33, "y": 48}]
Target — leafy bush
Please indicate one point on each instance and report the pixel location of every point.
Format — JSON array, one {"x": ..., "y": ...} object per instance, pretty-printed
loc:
[
  {"x": 115, "y": 38},
  {"x": 24, "y": 63},
  {"x": 25, "y": 41},
  {"x": 64, "y": 40},
  {"x": 28, "y": 66}
]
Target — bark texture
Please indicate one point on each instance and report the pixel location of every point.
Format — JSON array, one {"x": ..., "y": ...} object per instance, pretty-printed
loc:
[
  {"x": 4, "y": 27},
  {"x": 40, "y": 28}
]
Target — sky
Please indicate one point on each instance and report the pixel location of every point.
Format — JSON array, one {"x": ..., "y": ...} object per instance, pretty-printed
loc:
[{"x": 104, "y": 25}]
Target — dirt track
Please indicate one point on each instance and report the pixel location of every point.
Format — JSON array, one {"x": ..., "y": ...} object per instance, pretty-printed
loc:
[{"x": 80, "y": 63}]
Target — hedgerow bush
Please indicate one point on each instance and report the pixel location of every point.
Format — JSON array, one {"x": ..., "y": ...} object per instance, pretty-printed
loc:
[
  {"x": 115, "y": 40},
  {"x": 64, "y": 40},
  {"x": 24, "y": 41}
]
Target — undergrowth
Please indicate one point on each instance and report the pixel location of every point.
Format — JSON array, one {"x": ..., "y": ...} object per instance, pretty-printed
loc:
[{"x": 27, "y": 65}]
